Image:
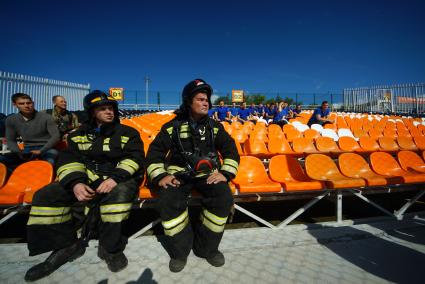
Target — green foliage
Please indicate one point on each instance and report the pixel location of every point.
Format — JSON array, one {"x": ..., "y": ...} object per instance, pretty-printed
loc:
[
  {"x": 226, "y": 99},
  {"x": 255, "y": 98}
]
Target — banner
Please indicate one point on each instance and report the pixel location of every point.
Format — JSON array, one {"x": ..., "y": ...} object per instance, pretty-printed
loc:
[
  {"x": 117, "y": 93},
  {"x": 237, "y": 96}
]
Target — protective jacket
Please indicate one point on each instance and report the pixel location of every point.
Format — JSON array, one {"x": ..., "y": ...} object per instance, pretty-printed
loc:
[
  {"x": 183, "y": 142},
  {"x": 94, "y": 154}
]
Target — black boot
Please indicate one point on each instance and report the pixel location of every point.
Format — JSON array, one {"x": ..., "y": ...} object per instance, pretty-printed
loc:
[
  {"x": 55, "y": 260},
  {"x": 216, "y": 260},
  {"x": 177, "y": 265},
  {"x": 115, "y": 261}
]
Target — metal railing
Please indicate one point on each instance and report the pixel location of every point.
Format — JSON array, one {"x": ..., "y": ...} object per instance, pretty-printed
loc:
[
  {"x": 41, "y": 90},
  {"x": 403, "y": 98}
]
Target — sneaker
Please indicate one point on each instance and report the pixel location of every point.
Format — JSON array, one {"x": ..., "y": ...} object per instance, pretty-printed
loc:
[
  {"x": 177, "y": 265},
  {"x": 115, "y": 261},
  {"x": 55, "y": 260},
  {"x": 216, "y": 260}
]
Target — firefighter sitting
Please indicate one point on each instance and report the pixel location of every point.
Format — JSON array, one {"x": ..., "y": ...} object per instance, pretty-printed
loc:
[
  {"x": 103, "y": 167},
  {"x": 183, "y": 156}
]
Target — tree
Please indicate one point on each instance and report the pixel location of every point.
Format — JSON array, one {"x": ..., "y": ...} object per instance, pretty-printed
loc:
[
  {"x": 225, "y": 99},
  {"x": 255, "y": 98}
]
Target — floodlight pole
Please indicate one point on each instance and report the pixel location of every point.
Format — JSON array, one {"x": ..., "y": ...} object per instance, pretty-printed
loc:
[{"x": 147, "y": 81}]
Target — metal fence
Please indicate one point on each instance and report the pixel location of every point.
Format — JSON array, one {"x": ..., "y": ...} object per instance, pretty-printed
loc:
[
  {"x": 404, "y": 98},
  {"x": 164, "y": 100},
  {"x": 41, "y": 90}
]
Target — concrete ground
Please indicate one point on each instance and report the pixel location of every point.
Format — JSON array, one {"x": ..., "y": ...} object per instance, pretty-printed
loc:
[{"x": 378, "y": 251}]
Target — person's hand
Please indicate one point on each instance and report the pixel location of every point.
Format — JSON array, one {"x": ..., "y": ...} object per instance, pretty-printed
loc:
[
  {"x": 169, "y": 181},
  {"x": 216, "y": 177},
  {"x": 83, "y": 192},
  {"x": 106, "y": 186},
  {"x": 36, "y": 152}
]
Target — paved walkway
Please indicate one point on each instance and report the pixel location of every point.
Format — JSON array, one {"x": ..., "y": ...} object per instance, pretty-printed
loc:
[{"x": 376, "y": 252}]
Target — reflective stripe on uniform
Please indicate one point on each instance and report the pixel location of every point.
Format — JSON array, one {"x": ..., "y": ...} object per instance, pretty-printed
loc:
[
  {"x": 124, "y": 140},
  {"x": 215, "y": 130},
  {"x": 128, "y": 165},
  {"x": 184, "y": 131},
  {"x": 155, "y": 170},
  {"x": 176, "y": 225},
  {"x": 84, "y": 147},
  {"x": 82, "y": 142},
  {"x": 212, "y": 221},
  {"x": 92, "y": 176},
  {"x": 230, "y": 165},
  {"x": 175, "y": 169},
  {"x": 114, "y": 213},
  {"x": 170, "y": 130},
  {"x": 106, "y": 147},
  {"x": 69, "y": 168},
  {"x": 49, "y": 215}
]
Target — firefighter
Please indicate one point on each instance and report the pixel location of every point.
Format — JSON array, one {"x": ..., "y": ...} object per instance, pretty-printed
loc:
[
  {"x": 186, "y": 155},
  {"x": 102, "y": 167}
]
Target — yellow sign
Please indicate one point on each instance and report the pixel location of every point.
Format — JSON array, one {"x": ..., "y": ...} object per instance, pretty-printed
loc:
[
  {"x": 117, "y": 93},
  {"x": 237, "y": 96}
]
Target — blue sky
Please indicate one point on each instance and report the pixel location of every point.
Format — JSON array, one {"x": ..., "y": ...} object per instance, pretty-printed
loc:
[{"x": 257, "y": 46}]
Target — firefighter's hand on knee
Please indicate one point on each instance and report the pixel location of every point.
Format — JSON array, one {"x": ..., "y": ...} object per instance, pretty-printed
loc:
[
  {"x": 216, "y": 177},
  {"x": 106, "y": 186},
  {"x": 83, "y": 192},
  {"x": 169, "y": 181}
]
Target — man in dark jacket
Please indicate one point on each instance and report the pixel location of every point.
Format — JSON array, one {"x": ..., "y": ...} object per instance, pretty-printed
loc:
[
  {"x": 183, "y": 156},
  {"x": 102, "y": 167}
]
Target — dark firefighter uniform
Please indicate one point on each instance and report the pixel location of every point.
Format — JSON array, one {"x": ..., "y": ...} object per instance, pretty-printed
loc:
[
  {"x": 93, "y": 155},
  {"x": 184, "y": 148}
]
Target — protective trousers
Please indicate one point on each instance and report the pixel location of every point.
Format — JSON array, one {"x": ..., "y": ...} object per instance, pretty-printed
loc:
[
  {"x": 51, "y": 225},
  {"x": 205, "y": 238}
]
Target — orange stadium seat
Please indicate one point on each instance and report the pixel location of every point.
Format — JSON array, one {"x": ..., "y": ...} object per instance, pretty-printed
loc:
[
  {"x": 327, "y": 145},
  {"x": 3, "y": 174},
  {"x": 411, "y": 161},
  {"x": 252, "y": 177},
  {"x": 322, "y": 167},
  {"x": 369, "y": 144},
  {"x": 279, "y": 145},
  {"x": 303, "y": 146},
  {"x": 256, "y": 147},
  {"x": 384, "y": 164},
  {"x": 287, "y": 171},
  {"x": 311, "y": 134},
  {"x": 355, "y": 166},
  {"x": 349, "y": 144},
  {"x": 388, "y": 144},
  {"x": 293, "y": 134},
  {"x": 420, "y": 142},
  {"x": 26, "y": 179},
  {"x": 406, "y": 143}
]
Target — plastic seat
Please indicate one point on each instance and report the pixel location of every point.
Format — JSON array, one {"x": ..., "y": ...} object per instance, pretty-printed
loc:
[
  {"x": 322, "y": 167},
  {"x": 358, "y": 132},
  {"x": 406, "y": 143},
  {"x": 303, "y": 146},
  {"x": 355, "y": 166},
  {"x": 287, "y": 171},
  {"x": 279, "y": 146},
  {"x": 330, "y": 133},
  {"x": 384, "y": 164},
  {"x": 349, "y": 144},
  {"x": 327, "y": 145},
  {"x": 411, "y": 161},
  {"x": 369, "y": 144},
  {"x": 293, "y": 134},
  {"x": 3, "y": 174},
  {"x": 375, "y": 133},
  {"x": 311, "y": 134},
  {"x": 345, "y": 132},
  {"x": 317, "y": 127},
  {"x": 388, "y": 144},
  {"x": 26, "y": 179},
  {"x": 420, "y": 142},
  {"x": 256, "y": 147},
  {"x": 252, "y": 177}
]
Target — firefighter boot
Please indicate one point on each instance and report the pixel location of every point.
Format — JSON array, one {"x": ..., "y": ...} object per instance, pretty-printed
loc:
[
  {"x": 217, "y": 260},
  {"x": 55, "y": 260},
  {"x": 115, "y": 261},
  {"x": 177, "y": 265}
]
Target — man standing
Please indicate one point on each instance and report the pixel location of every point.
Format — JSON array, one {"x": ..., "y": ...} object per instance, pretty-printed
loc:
[
  {"x": 183, "y": 156},
  {"x": 102, "y": 166},
  {"x": 320, "y": 115},
  {"x": 37, "y": 130},
  {"x": 65, "y": 120}
]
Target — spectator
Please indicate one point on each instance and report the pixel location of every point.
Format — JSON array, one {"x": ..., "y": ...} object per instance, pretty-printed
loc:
[
  {"x": 271, "y": 111},
  {"x": 222, "y": 112},
  {"x": 253, "y": 109},
  {"x": 320, "y": 115},
  {"x": 65, "y": 120},
  {"x": 234, "y": 110},
  {"x": 37, "y": 130},
  {"x": 244, "y": 114},
  {"x": 281, "y": 115},
  {"x": 297, "y": 110},
  {"x": 211, "y": 113},
  {"x": 261, "y": 110}
]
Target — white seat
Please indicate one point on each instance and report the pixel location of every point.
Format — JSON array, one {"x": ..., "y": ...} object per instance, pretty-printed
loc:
[
  {"x": 346, "y": 132},
  {"x": 317, "y": 127},
  {"x": 416, "y": 123},
  {"x": 301, "y": 127},
  {"x": 326, "y": 132}
]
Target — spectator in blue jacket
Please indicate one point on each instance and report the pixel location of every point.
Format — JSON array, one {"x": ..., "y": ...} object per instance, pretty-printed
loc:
[
  {"x": 321, "y": 115},
  {"x": 244, "y": 114},
  {"x": 222, "y": 112}
]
